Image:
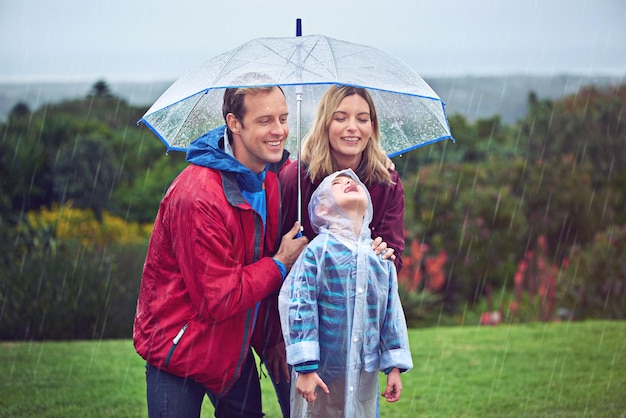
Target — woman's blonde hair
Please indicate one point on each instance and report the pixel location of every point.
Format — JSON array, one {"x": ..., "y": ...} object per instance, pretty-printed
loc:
[{"x": 316, "y": 145}]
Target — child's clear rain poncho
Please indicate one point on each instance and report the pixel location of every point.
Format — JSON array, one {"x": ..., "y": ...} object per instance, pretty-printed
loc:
[{"x": 339, "y": 306}]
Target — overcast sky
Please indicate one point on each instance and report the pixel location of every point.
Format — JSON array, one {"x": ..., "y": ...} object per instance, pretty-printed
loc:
[{"x": 160, "y": 40}]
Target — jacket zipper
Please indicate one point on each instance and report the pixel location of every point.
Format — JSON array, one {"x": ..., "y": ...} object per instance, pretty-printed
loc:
[{"x": 175, "y": 343}]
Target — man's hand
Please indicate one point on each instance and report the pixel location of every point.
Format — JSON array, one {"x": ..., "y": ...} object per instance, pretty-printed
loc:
[
  {"x": 276, "y": 362},
  {"x": 291, "y": 247},
  {"x": 307, "y": 383}
]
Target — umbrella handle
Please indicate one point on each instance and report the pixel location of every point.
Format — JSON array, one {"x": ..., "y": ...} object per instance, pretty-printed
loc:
[
  {"x": 299, "y": 112},
  {"x": 299, "y": 147}
]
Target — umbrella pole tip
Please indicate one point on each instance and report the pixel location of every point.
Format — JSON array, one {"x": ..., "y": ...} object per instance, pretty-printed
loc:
[{"x": 298, "y": 27}]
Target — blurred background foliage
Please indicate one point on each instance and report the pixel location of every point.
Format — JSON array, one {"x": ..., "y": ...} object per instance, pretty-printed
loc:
[{"x": 519, "y": 222}]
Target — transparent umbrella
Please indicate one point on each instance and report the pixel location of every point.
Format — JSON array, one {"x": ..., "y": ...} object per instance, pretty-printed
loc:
[{"x": 410, "y": 112}]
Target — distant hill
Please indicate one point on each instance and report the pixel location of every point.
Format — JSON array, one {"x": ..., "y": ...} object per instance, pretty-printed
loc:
[
  {"x": 507, "y": 96},
  {"x": 475, "y": 97},
  {"x": 37, "y": 94}
]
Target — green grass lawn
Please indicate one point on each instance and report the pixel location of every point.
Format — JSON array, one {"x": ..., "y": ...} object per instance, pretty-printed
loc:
[{"x": 534, "y": 370}]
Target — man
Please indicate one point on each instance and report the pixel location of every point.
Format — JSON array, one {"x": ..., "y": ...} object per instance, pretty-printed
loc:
[{"x": 208, "y": 290}]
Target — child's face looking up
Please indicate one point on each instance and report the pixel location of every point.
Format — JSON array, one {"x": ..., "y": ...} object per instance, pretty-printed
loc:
[{"x": 348, "y": 194}]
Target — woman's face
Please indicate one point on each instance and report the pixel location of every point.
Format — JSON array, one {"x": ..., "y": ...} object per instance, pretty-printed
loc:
[{"x": 350, "y": 129}]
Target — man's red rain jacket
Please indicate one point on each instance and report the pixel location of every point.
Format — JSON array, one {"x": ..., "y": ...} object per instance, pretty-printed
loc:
[{"x": 207, "y": 267}]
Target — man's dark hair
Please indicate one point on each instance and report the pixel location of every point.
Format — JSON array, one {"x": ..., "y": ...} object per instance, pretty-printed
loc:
[
  {"x": 234, "y": 101},
  {"x": 233, "y": 97}
]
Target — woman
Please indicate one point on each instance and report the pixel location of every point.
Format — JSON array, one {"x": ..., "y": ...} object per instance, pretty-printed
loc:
[{"x": 346, "y": 134}]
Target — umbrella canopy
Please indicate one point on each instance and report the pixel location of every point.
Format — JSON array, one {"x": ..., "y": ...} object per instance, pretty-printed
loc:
[{"x": 410, "y": 113}]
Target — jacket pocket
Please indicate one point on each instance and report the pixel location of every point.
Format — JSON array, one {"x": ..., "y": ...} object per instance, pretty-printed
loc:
[
  {"x": 368, "y": 385},
  {"x": 175, "y": 342}
]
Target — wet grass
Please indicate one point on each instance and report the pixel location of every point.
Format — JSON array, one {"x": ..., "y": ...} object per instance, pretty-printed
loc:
[{"x": 534, "y": 370}]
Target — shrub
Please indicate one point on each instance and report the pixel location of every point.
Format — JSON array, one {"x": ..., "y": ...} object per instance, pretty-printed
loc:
[
  {"x": 594, "y": 284},
  {"x": 421, "y": 309},
  {"x": 70, "y": 276},
  {"x": 72, "y": 223}
]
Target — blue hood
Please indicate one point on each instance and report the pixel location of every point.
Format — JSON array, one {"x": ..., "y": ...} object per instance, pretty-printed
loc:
[{"x": 205, "y": 151}]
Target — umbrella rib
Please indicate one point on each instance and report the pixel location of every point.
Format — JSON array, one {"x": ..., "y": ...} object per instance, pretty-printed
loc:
[
  {"x": 180, "y": 128},
  {"x": 309, "y": 54},
  {"x": 290, "y": 59},
  {"x": 228, "y": 61},
  {"x": 334, "y": 58}
]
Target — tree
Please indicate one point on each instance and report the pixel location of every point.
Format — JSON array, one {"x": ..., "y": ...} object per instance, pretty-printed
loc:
[
  {"x": 84, "y": 173},
  {"x": 100, "y": 89},
  {"x": 19, "y": 111},
  {"x": 476, "y": 142},
  {"x": 26, "y": 180},
  {"x": 588, "y": 125},
  {"x": 32, "y": 144},
  {"x": 139, "y": 198},
  {"x": 560, "y": 203},
  {"x": 470, "y": 212}
]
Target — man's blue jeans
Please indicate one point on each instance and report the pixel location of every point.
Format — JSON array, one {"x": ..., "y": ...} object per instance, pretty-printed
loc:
[{"x": 173, "y": 396}]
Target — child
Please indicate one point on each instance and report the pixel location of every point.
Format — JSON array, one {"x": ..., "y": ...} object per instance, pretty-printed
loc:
[{"x": 340, "y": 310}]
